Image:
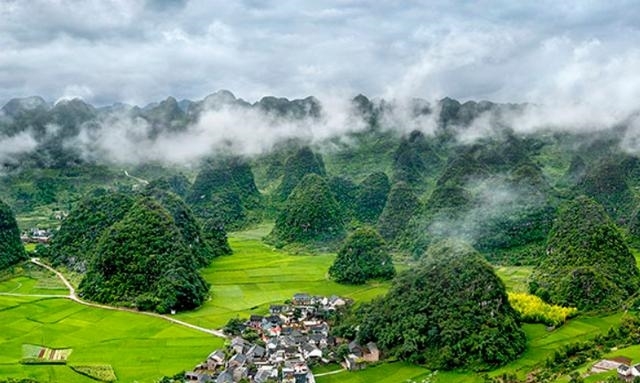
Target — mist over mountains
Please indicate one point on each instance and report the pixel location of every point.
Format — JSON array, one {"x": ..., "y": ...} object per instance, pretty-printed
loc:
[{"x": 71, "y": 131}]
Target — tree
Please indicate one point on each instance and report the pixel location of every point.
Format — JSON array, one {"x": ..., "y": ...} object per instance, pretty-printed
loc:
[
  {"x": 301, "y": 163},
  {"x": 143, "y": 261},
  {"x": 450, "y": 311},
  {"x": 73, "y": 244},
  {"x": 225, "y": 189},
  {"x": 371, "y": 197},
  {"x": 363, "y": 256},
  {"x": 11, "y": 249},
  {"x": 401, "y": 205},
  {"x": 311, "y": 214},
  {"x": 588, "y": 264}
]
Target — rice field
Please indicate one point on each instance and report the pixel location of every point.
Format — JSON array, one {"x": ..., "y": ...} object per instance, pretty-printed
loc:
[{"x": 35, "y": 354}]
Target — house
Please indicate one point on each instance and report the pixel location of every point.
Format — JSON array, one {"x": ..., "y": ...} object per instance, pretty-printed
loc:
[
  {"x": 278, "y": 309},
  {"x": 264, "y": 374},
  {"x": 355, "y": 349},
  {"x": 237, "y": 360},
  {"x": 353, "y": 363},
  {"x": 311, "y": 352},
  {"x": 256, "y": 352},
  {"x": 255, "y": 321},
  {"x": 372, "y": 353},
  {"x": 238, "y": 345},
  {"x": 224, "y": 377},
  {"x": 215, "y": 359},
  {"x": 624, "y": 372},
  {"x": 197, "y": 376},
  {"x": 301, "y": 299},
  {"x": 239, "y": 373}
]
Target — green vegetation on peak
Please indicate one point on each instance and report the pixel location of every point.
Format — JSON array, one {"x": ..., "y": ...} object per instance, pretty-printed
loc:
[
  {"x": 414, "y": 159},
  {"x": 362, "y": 256},
  {"x": 371, "y": 197},
  {"x": 588, "y": 264},
  {"x": 607, "y": 183},
  {"x": 302, "y": 162},
  {"x": 401, "y": 205},
  {"x": 11, "y": 249},
  {"x": 225, "y": 189},
  {"x": 310, "y": 214},
  {"x": 142, "y": 261},
  {"x": 203, "y": 251},
  {"x": 345, "y": 192},
  {"x": 74, "y": 243},
  {"x": 450, "y": 311}
]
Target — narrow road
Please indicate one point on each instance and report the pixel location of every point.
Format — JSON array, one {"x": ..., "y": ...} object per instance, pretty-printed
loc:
[
  {"x": 126, "y": 173},
  {"x": 74, "y": 297},
  {"x": 330, "y": 372}
]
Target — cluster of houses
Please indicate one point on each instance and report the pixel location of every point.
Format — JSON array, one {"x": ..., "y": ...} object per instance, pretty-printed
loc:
[
  {"x": 293, "y": 337},
  {"x": 36, "y": 235}
]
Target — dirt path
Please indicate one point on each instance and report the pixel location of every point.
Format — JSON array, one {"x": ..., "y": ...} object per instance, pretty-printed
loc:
[
  {"x": 74, "y": 297},
  {"x": 330, "y": 372}
]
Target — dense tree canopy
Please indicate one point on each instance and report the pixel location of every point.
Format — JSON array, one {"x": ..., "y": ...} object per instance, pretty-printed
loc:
[
  {"x": 74, "y": 243},
  {"x": 11, "y": 249},
  {"x": 607, "y": 184},
  {"x": 143, "y": 261},
  {"x": 203, "y": 250},
  {"x": 363, "y": 256},
  {"x": 301, "y": 163},
  {"x": 450, "y": 311},
  {"x": 311, "y": 214},
  {"x": 371, "y": 197},
  {"x": 225, "y": 189},
  {"x": 414, "y": 159},
  {"x": 588, "y": 264},
  {"x": 401, "y": 204}
]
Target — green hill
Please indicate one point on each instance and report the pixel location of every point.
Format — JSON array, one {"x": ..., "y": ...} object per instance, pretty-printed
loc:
[
  {"x": 301, "y": 163},
  {"x": 11, "y": 249},
  {"x": 74, "y": 243},
  {"x": 143, "y": 261},
  {"x": 225, "y": 189},
  {"x": 310, "y": 214},
  {"x": 450, "y": 311},
  {"x": 362, "y": 256},
  {"x": 588, "y": 264}
]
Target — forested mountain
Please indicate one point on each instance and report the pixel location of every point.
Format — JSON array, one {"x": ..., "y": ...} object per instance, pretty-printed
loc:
[
  {"x": 450, "y": 311},
  {"x": 417, "y": 172},
  {"x": 11, "y": 249},
  {"x": 588, "y": 264},
  {"x": 76, "y": 239},
  {"x": 144, "y": 261}
]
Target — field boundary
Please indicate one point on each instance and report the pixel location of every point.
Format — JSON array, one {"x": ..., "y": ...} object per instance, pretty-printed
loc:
[{"x": 74, "y": 297}]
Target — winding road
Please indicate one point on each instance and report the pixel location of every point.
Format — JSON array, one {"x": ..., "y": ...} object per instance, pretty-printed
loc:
[{"x": 74, "y": 297}]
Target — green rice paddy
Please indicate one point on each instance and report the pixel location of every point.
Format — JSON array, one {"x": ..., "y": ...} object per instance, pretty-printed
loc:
[
  {"x": 142, "y": 349},
  {"x": 139, "y": 348}
]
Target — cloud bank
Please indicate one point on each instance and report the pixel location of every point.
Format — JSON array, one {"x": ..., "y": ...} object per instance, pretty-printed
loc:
[{"x": 141, "y": 51}]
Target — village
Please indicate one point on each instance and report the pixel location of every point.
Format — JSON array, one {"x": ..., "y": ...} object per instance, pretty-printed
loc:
[{"x": 283, "y": 346}]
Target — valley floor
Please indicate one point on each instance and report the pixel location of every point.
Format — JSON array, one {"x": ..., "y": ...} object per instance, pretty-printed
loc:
[{"x": 143, "y": 348}]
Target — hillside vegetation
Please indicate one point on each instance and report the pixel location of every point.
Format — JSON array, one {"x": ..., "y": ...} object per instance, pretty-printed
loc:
[
  {"x": 450, "y": 311},
  {"x": 588, "y": 264},
  {"x": 143, "y": 261},
  {"x": 11, "y": 249}
]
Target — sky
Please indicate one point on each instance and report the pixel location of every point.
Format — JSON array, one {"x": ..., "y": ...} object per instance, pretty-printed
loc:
[{"x": 104, "y": 51}]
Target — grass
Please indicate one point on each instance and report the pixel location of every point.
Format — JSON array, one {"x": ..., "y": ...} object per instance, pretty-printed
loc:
[
  {"x": 383, "y": 373},
  {"x": 257, "y": 275},
  {"x": 139, "y": 348},
  {"x": 31, "y": 279}
]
